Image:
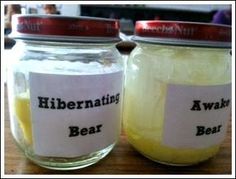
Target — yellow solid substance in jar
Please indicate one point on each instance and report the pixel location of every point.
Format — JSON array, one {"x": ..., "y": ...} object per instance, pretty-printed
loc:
[
  {"x": 150, "y": 69},
  {"x": 22, "y": 110}
]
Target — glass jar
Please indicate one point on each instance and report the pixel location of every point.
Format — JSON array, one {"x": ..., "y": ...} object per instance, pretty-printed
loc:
[
  {"x": 178, "y": 90},
  {"x": 65, "y": 88}
]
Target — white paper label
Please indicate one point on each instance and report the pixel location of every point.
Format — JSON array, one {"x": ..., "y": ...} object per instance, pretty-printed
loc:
[
  {"x": 196, "y": 116},
  {"x": 74, "y": 115}
]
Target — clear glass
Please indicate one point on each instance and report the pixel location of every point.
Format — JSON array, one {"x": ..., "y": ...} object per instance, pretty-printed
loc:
[
  {"x": 56, "y": 58},
  {"x": 151, "y": 67}
]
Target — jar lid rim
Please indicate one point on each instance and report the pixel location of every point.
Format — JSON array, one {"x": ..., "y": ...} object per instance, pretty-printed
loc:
[
  {"x": 184, "y": 22},
  {"x": 175, "y": 42},
  {"x": 62, "y": 27},
  {"x": 80, "y": 39},
  {"x": 64, "y": 17},
  {"x": 180, "y": 31}
]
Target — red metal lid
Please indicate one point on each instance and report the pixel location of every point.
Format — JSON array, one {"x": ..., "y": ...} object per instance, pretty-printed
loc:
[
  {"x": 58, "y": 27},
  {"x": 181, "y": 32}
]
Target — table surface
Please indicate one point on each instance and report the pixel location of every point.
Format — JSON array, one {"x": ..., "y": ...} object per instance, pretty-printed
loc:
[{"x": 123, "y": 159}]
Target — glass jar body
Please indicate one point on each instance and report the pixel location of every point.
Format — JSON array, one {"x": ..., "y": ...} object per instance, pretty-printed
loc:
[
  {"x": 69, "y": 64},
  {"x": 152, "y": 113}
]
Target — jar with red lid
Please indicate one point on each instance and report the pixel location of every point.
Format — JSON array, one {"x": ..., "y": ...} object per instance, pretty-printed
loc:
[
  {"x": 65, "y": 86},
  {"x": 178, "y": 90}
]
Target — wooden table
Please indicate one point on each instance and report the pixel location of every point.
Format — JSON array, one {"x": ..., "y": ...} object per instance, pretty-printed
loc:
[{"x": 122, "y": 160}]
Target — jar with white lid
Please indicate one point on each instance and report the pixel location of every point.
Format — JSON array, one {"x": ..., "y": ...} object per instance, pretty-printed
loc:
[
  {"x": 65, "y": 87},
  {"x": 178, "y": 90}
]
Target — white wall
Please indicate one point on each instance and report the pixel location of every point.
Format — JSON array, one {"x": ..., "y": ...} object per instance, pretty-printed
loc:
[{"x": 70, "y": 10}]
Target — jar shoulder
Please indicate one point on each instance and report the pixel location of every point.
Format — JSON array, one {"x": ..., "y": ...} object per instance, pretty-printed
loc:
[
  {"x": 185, "y": 65},
  {"x": 68, "y": 58}
]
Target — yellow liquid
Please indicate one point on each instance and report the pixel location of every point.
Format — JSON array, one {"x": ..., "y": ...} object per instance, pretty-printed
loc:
[
  {"x": 22, "y": 110},
  {"x": 146, "y": 138},
  {"x": 150, "y": 70}
]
